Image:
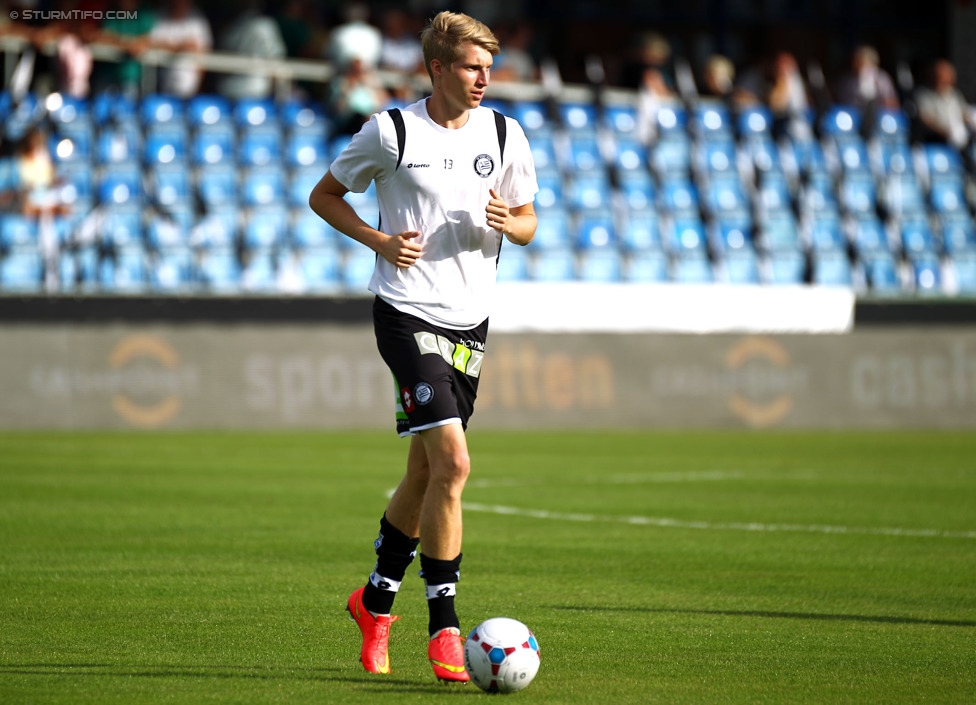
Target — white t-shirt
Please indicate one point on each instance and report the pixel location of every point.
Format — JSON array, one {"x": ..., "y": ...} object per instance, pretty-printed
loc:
[{"x": 441, "y": 190}]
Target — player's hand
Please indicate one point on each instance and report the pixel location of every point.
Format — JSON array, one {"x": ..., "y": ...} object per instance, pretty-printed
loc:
[
  {"x": 401, "y": 250},
  {"x": 497, "y": 212}
]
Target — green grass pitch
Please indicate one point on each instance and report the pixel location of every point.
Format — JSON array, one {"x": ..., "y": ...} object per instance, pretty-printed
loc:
[{"x": 653, "y": 567}]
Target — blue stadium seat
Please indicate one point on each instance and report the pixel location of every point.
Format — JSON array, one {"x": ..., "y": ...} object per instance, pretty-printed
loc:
[
  {"x": 731, "y": 235},
  {"x": 868, "y": 235},
  {"x": 320, "y": 268},
  {"x": 218, "y": 227},
  {"x": 647, "y": 266},
  {"x": 17, "y": 230},
  {"x": 819, "y": 195},
  {"x": 513, "y": 263},
  {"x": 958, "y": 232},
  {"x": 621, "y": 119},
  {"x": 890, "y": 125},
  {"x": 169, "y": 186},
  {"x": 255, "y": 112},
  {"x": 595, "y": 230},
  {"x": 550, "y": 189},
  {"x": 763, "y": 153},
  {"x": 157, "y": 110},
  {"x": 22, "y": 270},
  {"x": 589, "y": 191},
  {"x": 773, "y": 193},
  {"x": 172, "y": 270},
  {"x": 858, "y": 194},
  {"x": 531, "y": 115},
  {"x": 881, "y": 271},
  {"x": 686, "y": 235},
  {"x": 825, "y": 235},
  {"x": 165, "y": 146},
  {"x": 629, "y": 155},
  {"x": 111, "y": 108},
  {"x": 903, "y": 196},
  {"x": 304, "y": 115},
  {"x": 220, "y": 270},
  {"x": 779, "y": 231},
  {"x": 553, "y": 230},
  {"x": 584, "y": 154},
  {"x": 716, "y": 157},
  {"x": 679, "y": 197},
  {"x": 726, "y": 198},
  {"x": 754, "y": 121},
  {"x": 672, "y": 122},
  {"x": 78, "y": 269},
  {"x": 217, "y": 185},
  {"x": 260, "y": 147},
  {"x": 672, "y": 156},
  {"x": 357, "y": 269},
  {"x": 917, "y": 238},
  {"x": 741, "y": 266},
  {"x": 926, "y": 274},
  {"x": 786, "y": 266},
  {"x": 641, "y": 230},
  {"x": 262, "y": 186},
  {"x": 964, "y": 266},
  {"x": 121, "y": 228},
  {"x": 162, "y": 233},
  {"x": 853, "y": 158},
  {"x": 947, "y": 197},
  {"x": 692, "y": 268},
  {"x": 265, "y": 226},
  {"x": 578, "y": 117},
  {"x": 300, "y": 183},
  {"x": 637, "y": 188},
  {"x": 544, "y": 154},
  {"x": 603, "y": 265},
  {"x": 213, "y": 146},
  {"x": 841, "y": 122},
  {"x": 896, "y": 159},
  {"x": 944, "y": 163},
  {"x": 832, "y": 268},
  {"x": 259, "y": 270},
  {"x": 306, "y": 149},
  {"x": 121, "y": 186},
  {"x": 309, "y": 230},
  {"x": 711, "y": 121},
  {"x": 554, "y": 265},
  {"x": 207, "y": 111},
  {"x": 125, "y": 272},
  {"x": 118, "y": 145}
]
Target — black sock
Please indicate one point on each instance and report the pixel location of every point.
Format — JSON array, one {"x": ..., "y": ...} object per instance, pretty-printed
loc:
[
  {"x": 441, "y": 579},
  {"x": 394, "y": 553}
]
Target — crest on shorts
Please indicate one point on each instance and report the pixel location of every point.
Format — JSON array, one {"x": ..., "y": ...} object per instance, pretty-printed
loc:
[
  {"x": 423, "y": 393},
  {"x": 484, "y": 165}
]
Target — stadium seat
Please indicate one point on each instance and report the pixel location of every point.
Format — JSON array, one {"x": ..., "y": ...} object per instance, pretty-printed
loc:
[
  {"x": 902, "y": 196},
  {"x": 858, "y": 195},
  {"x": 553, "y": 229},
  {"x": 726, "y": 198},
  {"x": 943, "y": 163},
  {"x": 218, "y": 227},
  {"x": 118, "y": 144},
  {"x": 309, "y": 230},
  {"x": 17, "y": 230},
  {"x": 917, "y": 238},
  {"x": 304, "y": 115},
  {"x": 169, "y": 186},
  {"x": 513, "y": 263},
  {"x": 550, "y": 189},
  {"x": 947, "y": 197},
  {"x": 213, "y": 146},
  {"x": 255, "y": 112},
  {"x": 686, "y": 235},
  {"x": 121, "y": 228},
  {"x": 584, "y": 154},
  {"x": 646, "y": 266},
  {"x": 544, "y": 154},
  {"x": 881, "y": 271},
  {"x": 832, "y": 268},
  {"x": 265, "y": 226},
  {"x": 637, "y": 188},
  {"x": 22, "y": 270},
  {"x": 172, "y": 270},
  {"x": 306, "y": 149},
  {"x": 260, "y": 147},
  {"x": 621, "y": 119},
  {"x": 716, "y": 157},
  {"x": 786, "y": 266},
  {"x": 603, "y": 265},
  {"x": 121, "y": 186},
  {"x": 731, "y": 235},
  {"x": 554, "y": 265},
  {"x": 762, "y": 153},
  {"x": 754, "y": 121},
  {"x": 595, "y": 230},
  {"x": 262, "y": 186},
  {"x": 217, "y": 185},
  {"x": 78, "y": 269},
  {"x": 157, "y": 110},
  {"x": 629, "y": 155},
  {"x": 958, "y": 232},
  {"x": 165, "y": 146},
  {"x": 890, "y": 125},
  {"x": 711, "y": 121},
  {"x": 672, "y": 156},
  {"x": 589, "y": 191},
  {"x": 868, "y": 235},
  {"x": 357, "y": 270},
  {"x": 641, "y": 230},
  {"x": 577, "y": 117},
  {"x": 691, "y": 268},
  {"x": 259, "y": 270},
  {"x": 926, "y": 274},
  {"x": 205, "y": 111},
  {"x": 531, "y": 115},
  {"x": 679, "y": 198},
  {"x": 220, "y": 270},
  {"x": 741, "y": 266},
  {"x": 320, "y": 268},
  {"x": 964, "y": 266},
  {"x": 779, "y": 231},
  {"x": 773, "y": 193}
]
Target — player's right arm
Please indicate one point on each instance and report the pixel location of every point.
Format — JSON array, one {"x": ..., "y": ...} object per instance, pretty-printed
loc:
[{"x": 328, "y": 201}]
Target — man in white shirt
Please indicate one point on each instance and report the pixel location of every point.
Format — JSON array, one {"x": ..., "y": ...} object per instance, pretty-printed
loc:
[
  {"x": 182, "y": 29},
  {"x": 453, "y": 181}
]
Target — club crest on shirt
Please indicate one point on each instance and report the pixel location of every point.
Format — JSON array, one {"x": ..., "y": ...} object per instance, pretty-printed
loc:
[{"x": 484, "y": 165}]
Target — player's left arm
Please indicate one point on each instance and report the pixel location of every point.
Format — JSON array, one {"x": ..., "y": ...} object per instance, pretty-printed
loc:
[{"x": 518, "y": 224}]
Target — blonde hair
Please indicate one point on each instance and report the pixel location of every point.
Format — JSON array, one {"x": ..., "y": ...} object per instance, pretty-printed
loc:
[{"x": 445, "y": 36}]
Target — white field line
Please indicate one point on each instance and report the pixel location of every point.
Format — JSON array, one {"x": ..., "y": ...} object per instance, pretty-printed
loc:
[{"x": 716, "y": 526}]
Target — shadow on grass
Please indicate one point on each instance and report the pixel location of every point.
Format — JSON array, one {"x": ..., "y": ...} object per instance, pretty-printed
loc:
[
  {"x": 880, "y": 619},
  {"x": 329, "y": 675}
]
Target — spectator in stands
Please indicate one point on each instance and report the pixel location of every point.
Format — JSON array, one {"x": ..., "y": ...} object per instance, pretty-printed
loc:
[
  {"x": 72, "y": 63},
  {"x": 787, "y": 96},
  {"x": 719, "y": 83},
  {"x": 651, "y": 69},
  {"x": 356, "y": 38},
  {"x": 401, "y": 52},
  {"x": 515, "y": 61},
  {"x": 254, "y": 34},
  {"x": 40, "y": 197},
  {"x": 299, "y": 29},
  {"x": 944, "y": 113},
  {"x": 355, "y": 94},
  {"x": 866, "y": 86},
  {"x": 130, "y": 33},
  {"x": 182, "y": 28}
]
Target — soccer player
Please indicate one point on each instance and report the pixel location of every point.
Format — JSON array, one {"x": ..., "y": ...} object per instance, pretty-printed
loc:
[{"x": 454, "y": 180}]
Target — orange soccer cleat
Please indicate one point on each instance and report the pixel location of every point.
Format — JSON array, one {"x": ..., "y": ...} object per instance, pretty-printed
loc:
[
  {"x": 446, "y": 654},
  {"x": 374, "y": 655}
]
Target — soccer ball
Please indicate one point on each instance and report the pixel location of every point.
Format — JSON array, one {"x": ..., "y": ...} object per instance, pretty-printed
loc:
[{"x": 501, "y": 655}]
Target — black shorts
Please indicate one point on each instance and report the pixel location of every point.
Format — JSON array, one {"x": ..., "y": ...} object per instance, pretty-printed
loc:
[{"x": 435, "y": 370}]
